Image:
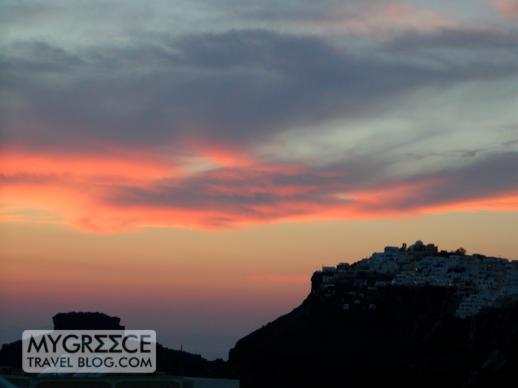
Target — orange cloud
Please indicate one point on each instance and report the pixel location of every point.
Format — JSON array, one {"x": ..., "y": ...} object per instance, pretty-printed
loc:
[
  {"x": 106, "y": 194},
  {"x": 13, "y": 162},
  {"x": 502, "y": 203}
]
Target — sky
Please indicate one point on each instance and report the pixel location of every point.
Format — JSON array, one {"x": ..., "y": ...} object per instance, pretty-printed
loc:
[{"x": 186, "y": 165}]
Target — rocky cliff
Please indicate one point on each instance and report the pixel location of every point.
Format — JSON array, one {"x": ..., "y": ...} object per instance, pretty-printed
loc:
[{"x": 406, "y": 336}]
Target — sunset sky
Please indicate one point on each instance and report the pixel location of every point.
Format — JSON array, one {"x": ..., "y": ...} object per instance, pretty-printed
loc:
[{"x": 187, "y": 164}]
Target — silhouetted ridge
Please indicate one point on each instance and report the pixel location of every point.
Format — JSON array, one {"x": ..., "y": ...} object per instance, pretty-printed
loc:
[
  {"x": 169, "y": 361},
  {"x": 86, "y": 321},
  {"x": 405, "y": 317}
]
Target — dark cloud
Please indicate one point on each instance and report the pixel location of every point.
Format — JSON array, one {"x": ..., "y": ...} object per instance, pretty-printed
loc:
[
  {"x": 34, "y": 59},
  {"x": 233, "y": 87},
  {"x": 459, "y": 38},
  {"x": 488, "y": 177},
  {"x": 294, "y": 11}
]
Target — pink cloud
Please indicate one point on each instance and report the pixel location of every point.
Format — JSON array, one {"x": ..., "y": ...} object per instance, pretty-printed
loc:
[
  {"x": 391, "y": 18},
  {"x": 507, "y": 8},
  {"x": 113, "y": 195}
]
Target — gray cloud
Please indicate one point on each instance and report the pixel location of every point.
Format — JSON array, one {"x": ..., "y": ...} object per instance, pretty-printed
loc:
[
  {"x": 466, "y": 38},
  {"x": 490, "y": 176},
  {"x": 234, "y": 87},
  {"x": 300, "y": 10}
]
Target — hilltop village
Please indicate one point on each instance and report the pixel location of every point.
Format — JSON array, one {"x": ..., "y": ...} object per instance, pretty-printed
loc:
[{"x": 479, "y": 281}]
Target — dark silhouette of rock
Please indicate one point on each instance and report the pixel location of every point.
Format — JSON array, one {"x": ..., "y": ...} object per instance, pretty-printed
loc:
[
  {"x": 168, "y": 360},
  {"x": 181, "y": 363},
  {"x": 411, "y": 339},
  {"x": 11, "y": 355},
  {"x": 86, "y": 321}
]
